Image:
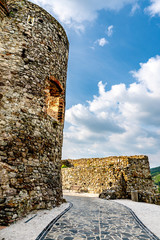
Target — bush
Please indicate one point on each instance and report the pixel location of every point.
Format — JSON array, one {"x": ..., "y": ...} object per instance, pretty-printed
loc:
[{"x": 64, "y": 166}]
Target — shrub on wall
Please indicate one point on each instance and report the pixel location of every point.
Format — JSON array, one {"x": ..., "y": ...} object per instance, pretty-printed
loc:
[{"x": 64, "y": 166}]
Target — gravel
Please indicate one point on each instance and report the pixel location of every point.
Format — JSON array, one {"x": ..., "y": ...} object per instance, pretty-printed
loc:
[{"x": 30, "y": 230}]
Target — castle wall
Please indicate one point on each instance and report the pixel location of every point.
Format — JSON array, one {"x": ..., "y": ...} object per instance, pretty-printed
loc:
[
  {"x": 124, "y": 174},
  {"x": 33, "y": 68}
]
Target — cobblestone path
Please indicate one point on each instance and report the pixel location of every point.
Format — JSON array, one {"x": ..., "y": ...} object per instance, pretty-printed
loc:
[{"x": 97, "y": 219}]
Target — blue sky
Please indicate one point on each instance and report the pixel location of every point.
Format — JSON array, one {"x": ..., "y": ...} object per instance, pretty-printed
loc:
[{"x": 113, "y": 85}]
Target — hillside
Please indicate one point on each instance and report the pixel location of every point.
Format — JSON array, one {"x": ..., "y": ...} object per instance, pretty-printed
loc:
[{"x": 155, "y": 172}]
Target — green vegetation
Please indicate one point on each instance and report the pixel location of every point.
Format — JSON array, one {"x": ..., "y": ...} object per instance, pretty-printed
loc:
[
  {"x": 155, "y": 172},
  {"x": 64, "y": 166}
]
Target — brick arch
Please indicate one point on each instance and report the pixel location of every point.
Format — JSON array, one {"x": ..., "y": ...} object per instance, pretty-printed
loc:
[
  {"x": 4, "y": 7},
  {"x": 54, "y": 99}
]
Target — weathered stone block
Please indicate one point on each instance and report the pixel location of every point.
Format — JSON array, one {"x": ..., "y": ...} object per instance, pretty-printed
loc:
[{"x": 134, "y": 196}]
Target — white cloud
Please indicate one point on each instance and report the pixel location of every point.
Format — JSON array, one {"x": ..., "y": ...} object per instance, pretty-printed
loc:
[
  {"x": 148, "y": 75},
  {"x": 119, "y": 121},
  {"x": 110, "y": 30},
  {"x": 135, "y": 7},
  {"x": 75, "y": 12},
  {"x": 154, "y": 8},
  {"x": 102, "y": 42}
]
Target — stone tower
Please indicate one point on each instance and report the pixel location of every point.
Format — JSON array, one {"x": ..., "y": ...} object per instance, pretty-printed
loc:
[{"x": 33, "y": 68}]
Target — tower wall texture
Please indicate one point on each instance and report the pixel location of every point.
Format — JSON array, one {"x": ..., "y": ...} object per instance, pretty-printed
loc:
[{"x": 33, "y": 68}]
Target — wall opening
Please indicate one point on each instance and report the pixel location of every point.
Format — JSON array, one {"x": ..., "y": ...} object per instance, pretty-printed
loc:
[
  {"x": 123, "y": 185},
  {"x": 3, "y": 7},
  {"x": 30, "y": 20},
  {"x": 55, "y": 99}
]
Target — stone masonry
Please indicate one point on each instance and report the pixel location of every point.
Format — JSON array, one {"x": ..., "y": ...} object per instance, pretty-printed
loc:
[
  {"x": 120, "y": 175},
  {"x": 33, "y": 67}
]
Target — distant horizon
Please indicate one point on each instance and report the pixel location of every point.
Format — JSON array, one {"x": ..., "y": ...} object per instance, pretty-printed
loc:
[{"x": 113, "y": 85}]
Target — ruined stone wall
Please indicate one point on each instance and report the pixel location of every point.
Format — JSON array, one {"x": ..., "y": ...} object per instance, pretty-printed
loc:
[
  {"x": 125, "y": 174},
  {"x": 33, "y": 68}
]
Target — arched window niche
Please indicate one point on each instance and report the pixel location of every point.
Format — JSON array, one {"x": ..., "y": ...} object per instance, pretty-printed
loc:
[
  {"x": 54, "y": 99},
  {"x": 3, "y": 7}
]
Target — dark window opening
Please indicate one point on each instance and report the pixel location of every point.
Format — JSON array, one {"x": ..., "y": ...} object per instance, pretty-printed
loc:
[
  {"x": 15, "y": 10},
  {"x": 59, "y": 36},
  {"x": 1, "y": 96},
  {"x": 40, "y": 20},
  {"x": 49, "y": 48},
  {"x": 25, "y": 34},
  {"x": 23, "y": 53}
]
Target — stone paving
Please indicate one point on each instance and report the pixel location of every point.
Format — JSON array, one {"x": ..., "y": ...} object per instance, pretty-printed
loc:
[{"x": 97, "y": 219}]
